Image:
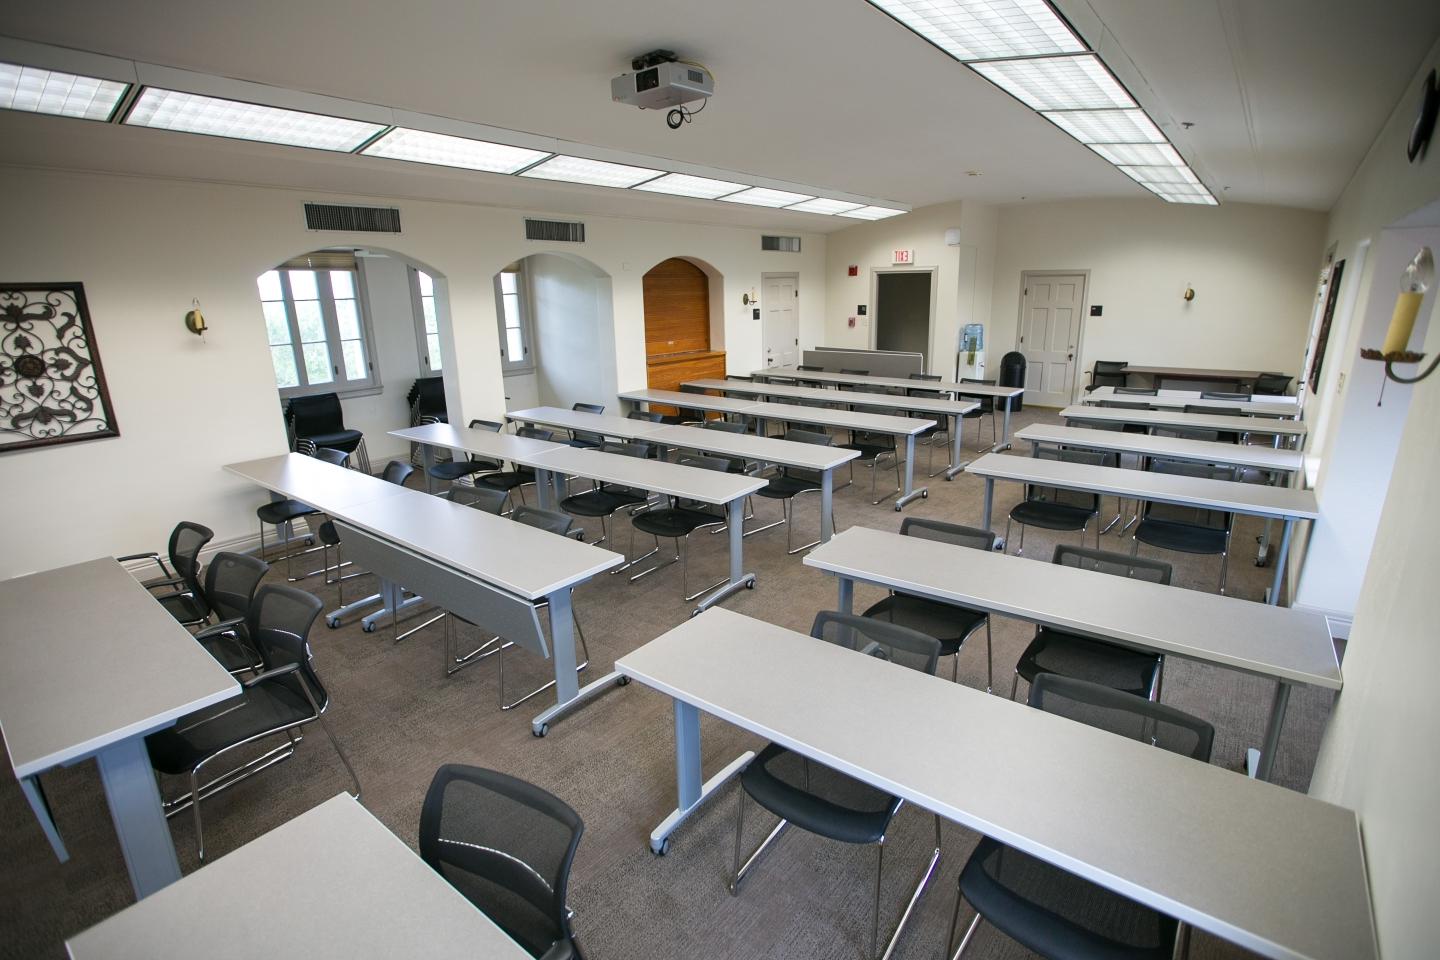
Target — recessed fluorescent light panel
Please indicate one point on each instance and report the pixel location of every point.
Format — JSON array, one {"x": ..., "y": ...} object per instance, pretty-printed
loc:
[
  {"x": 765, "y": 197},
  {"x": 1139, "y": 154},
  {"x": 684, "y": 185},
  {"x": 1204, "y": 199},
  {"x": 872, "y": 213},
  {"x": 1163, "y": 174},
  {"x": 441, "y": 149},
  {"x": 822, "y": 205},
  {"x": 599, "y": 173},
  {"x": 1107, "y": 126},
  {"x": 1057, "y": 83},
  {"x": 58, "y": 94},
  {"x": 986, "y": 29},
  {"x": 191, "y": 113}
]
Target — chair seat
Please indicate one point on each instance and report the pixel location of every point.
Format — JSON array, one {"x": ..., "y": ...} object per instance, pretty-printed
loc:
[
  {"x": 1051, "y": 516},
  {"x": 1058, "y": 914},
  {"x": 283, "y": 511},
  {"x": 1182, "y": 537},
  {"x": 784, "y": 487},
  {"x": 835, "y": 805},
  {"x": 183, "y": 607},
  {"x": 264, "y": 707},
  {"x": 947, "y": 623},
  {"x": 868, "y": 451},
  {"x": 602, "y": 502},
  {"x": 231, "y": 653},
  {"x": 674, "y": 522},
  {"x": 1081, "y": 658},
  {"x": 456, "y": 469},
  {"x": 346, "y": 440},
  {"x": 508, "y": 480}
]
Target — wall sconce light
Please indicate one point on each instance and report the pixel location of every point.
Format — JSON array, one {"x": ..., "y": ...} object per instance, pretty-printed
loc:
[
  {"x": 195, "y": 320},
  {"x": 1189, "y": 293},
  {"x": 1414, "y": 282}
]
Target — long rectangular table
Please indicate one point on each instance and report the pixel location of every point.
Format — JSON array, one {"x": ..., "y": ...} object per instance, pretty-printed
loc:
[
  {"x": 89, "y": 664},
  {"x": 332, "y": 883},
  {"x": 1267, "y": 868},
  {"x": 708, "y": 402},
  {"x": 1177, "y": 418},
  {"x": 485, "y": 568},
  {"x": 1292, "y": 647},
  {"x": 1160, "y": 374},
  {"x": 1284, "y": 407},
  {"x": 1169, "y": 448},
  {"x": 1272, "y": 503}
]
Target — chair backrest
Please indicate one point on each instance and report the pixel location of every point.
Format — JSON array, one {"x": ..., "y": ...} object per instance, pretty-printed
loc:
[
  {"x": 330, "y": 455},
  {"x": 1119, "y": 564},
  {"x": 1179, "y": 513},
  {"x": 1123, "y": 713},
  {"x": 1214, "y": 411},
  {"x": 491, "y": 425},
  {"x": 316, "y": 414},
  {"x": 987, "y": 404},
  {"x": 588, "y": 407},
  {"x": 1272, "y": 384},
  {"x": 1111, "y": 366},
  {"x": 430, "y": 395},
  {"x": 279, "y": 625},
  {"x": 1060, "y": 495},
  {"x": 535, "y": 433},
  {"x": 186, "y": 542},
  {"x": 719, "y": 465},
  {"x": 1114, "y": 426},
  {"x": 878, "y": 638},
  {"x": 506, "y": 846},
  {"x": 806, "y": 436},
  {"x": 640, "y": 450},
  {"x": 650, "y": 416},
  {"x": 1223, "y": 395},
  {"x": 924, "y": 376},
  {"x": 230, "y": 583},
  {"x": 724, "y": 426},
  {"x": 955, "y": 533},
  {"x": 550, "y": 520},
  {"x": 1138, "y": 391},
  {"x": 488, "y": 499},
  {"x": 737, "y": 376},
  {"x": 1124, "y": 405},
  {"x": 809, "y": 369},
  {"x": 856, "y": 373},
  {"x": 397, "y": 472},
  {"x": 1185, "y": 433}
]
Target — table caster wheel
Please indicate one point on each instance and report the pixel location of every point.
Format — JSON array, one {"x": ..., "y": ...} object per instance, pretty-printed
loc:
[
  {"x": 332, "y": 623},
  {"x": 924, "y": 494},
  {"x": 898, "y": 508},
  {"x": 750, "y": 585},
  {"x": 368, "y": 627},
  {"x": 623, "y": 681},
  {"x": 663, "y": 849},
  {"x": 544, "y": 729}
]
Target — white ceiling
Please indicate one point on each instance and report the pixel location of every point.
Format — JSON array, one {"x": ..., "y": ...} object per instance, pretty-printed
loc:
[{"x": 1286, "y": 95}]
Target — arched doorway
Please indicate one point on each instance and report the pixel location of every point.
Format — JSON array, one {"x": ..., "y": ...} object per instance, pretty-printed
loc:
[{"x": 680, "y": 343}]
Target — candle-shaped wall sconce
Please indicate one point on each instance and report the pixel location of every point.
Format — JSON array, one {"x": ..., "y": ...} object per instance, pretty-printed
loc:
[{"x": 1417, "y": 279}]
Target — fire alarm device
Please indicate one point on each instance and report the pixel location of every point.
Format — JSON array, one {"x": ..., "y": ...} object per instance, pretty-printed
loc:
[
  {"x": 854, "y": 270},
  {"x": 852, "y": 321}
]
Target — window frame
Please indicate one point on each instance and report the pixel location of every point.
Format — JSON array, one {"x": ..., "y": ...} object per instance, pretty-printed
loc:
[
  {"x": 526, "y": 364},
  {"x": 340, "y": 385},
  {"x": 417, "y": 307}
]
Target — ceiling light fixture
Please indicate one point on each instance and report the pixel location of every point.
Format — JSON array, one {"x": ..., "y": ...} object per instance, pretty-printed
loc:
[
  {"x": 421, "y": 146},
  {"x": 1160, "y": 175},
  {"x": 825, "y": 206},
  {"x": 1107, "y": 126},
  {"x": 211, "y": 116},
  {"x": 33, "y": 90},
  {"x": 765, "y": 197},
  {"x": 686, "y": 185},
  {"x": 1057, "y": 83},
  {"x": 1138, "y": 154},
  {"x": 598, "y": 173},
  {"x": 986, "y": 29},
  {"x": 872, "y": 213}
]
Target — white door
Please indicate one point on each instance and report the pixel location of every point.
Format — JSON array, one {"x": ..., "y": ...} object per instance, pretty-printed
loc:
[
  {"x": 1050, "y": 335},
  {"x": 780, "y": 301}
]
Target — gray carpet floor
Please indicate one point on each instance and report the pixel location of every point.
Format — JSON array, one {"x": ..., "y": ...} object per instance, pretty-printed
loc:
[{"x": 399, "y": 718}]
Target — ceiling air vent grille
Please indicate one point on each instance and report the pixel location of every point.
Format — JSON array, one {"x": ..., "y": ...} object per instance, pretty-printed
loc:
[
  {"x": 780, "y": 244},
  {"x": 564, "y": 231},
  {"x": 333, "y": 216}
]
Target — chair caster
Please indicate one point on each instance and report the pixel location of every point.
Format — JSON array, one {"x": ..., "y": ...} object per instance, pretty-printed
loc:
[
  {"x": 661, "y": 850},
  {"x": 622, "y": 681},
  {"x": 543, "y": 729},
  {"x": 368, "y": 627},
  {"x": 898, "y": 508},
  {"x": 749, "y": 584},
  {"x": 332, "y": 622}
]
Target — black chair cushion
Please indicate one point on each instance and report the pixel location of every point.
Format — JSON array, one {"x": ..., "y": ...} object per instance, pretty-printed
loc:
[
  {"x": 508, "y": 480},
  {"x": 346, "y": 440},
  {"x": 456, "y": 469},
  {"x": 183, "y": 607},
  {"x": 602, "y": 502},
  {"x": 281, "y": 511},
  {"x": 869, "y": 451},
  {"x": 674, "y": 522},
  {"x": 1051, "y": 516},
  {"x": 1081, "y": 658},
  {"x": 231, "y": 652},
  {"x": 1183, "y": 537},
  {"x": 328, "y": 534},
  {"x": 835, "y": 805},
  {"x": 946, "y": 623},
  {"x": 1057, "y": 914},
  {"x": 784, "y": 487},
  {"x": 269, "y": 705}
]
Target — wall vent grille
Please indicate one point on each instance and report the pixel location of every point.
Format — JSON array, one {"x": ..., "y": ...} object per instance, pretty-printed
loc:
[
  {"x": 564, "y": 231},
  {"x": 780, "y": 244},
  {"x": 334, "y": 216}
]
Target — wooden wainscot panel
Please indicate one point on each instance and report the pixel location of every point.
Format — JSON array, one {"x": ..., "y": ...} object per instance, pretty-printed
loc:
[{"x": 668, "y": 372}]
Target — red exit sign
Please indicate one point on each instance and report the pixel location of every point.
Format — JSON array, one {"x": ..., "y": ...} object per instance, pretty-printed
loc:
[{"x": 898, "y": 257}]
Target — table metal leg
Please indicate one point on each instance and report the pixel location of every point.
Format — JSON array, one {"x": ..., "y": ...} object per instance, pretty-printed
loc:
[
  {"x": 910, "y": 492},
  {"x": 545, "y": 489},
  {"x": 569, "y": 696},
  {"x": 139, "y": 819},
  {"x": 35, "y": 794},
  {"x": 427, "y": 462},
  {"x": 1280, "y": 560},
  {"x": 1004, "y": 443},
  {"x": 690, "y": 793},
  {"x": 846, "y": 601},
  {"x": 1262, "y": 765},
  {"x": 739, "y": 579},
  {"x": 957, "y": 426},
  {"x": 827, "y": 505},
  {"x": 393, "y": 602},
  {"x": 989, "y": 502}
]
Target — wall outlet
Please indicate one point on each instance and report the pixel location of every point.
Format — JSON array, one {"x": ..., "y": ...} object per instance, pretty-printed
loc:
[{"x": 852, "y": 322}]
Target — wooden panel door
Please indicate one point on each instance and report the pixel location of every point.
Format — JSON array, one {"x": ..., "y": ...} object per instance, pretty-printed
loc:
[
  {"x": 677, "y": 308},
  {"x": 1049, "y": 335}
]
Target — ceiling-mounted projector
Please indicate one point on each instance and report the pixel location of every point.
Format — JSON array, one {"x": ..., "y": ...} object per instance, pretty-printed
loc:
[{"x": 659, "y": 80}]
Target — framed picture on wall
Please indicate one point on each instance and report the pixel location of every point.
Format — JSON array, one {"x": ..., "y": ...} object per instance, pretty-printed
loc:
[
  {"x": 52, "y": 387},
  {"x": 1322, "y": 339}
]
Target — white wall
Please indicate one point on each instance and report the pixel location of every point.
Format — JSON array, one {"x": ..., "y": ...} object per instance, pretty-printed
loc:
[
  {"x": 1253, "y": 269},
  {"x": 574, "y": 331},
  {"x": 144, "y": 247},
  {"x": 395, "y": 353}
]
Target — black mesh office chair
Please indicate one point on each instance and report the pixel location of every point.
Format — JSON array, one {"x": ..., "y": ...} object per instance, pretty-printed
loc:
[
  {"x": 1185, "y": 529},
  {"x": 511, "y": 481},
  {"x": 1224, "y": 436},
  {"x": 690, "y": 416},
  {"x": 480, "y": 498},
  {"x": 286, "y": 696},
  {"x": 459, "y": 469},
  {"x": 676, "y": 522},
  {"x": 1136, "y": 672},
  {"x": 1107, "y": 373},
  {"x": 186, "y": 598},
  {"x": 332, "y": 456},
  {"x": 1055, "y": 913},
  {"x": 856, "y": 373},
  {"x": 230, "y": 584},
  {"x": 823, "y": 801},
  {"x": 321, "y": 421},
  {"x": 873, "y": 446},
  {"x": 789, "y": 483},
  {"x": 585, "y": 438},
  {"x": 506, "y": 846},
  {"x": 938, "y": 434},
  {"x": 986, "y": 409},
  {"x": 949, "y": 623},
  {"x": 427, "y": 400},
  {"x": 1272, "y": 384},
  {"x": 604, "y": 500},
  {"x": 1056, "y": 508},
  {"x": 649, "y": 416}
]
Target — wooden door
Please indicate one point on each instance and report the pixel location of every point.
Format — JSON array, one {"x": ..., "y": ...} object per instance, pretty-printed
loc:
[{"x": 1050, "y": 319}]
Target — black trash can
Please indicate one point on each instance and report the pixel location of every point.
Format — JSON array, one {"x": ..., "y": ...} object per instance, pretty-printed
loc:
[{"x": 1012, "y": 374}]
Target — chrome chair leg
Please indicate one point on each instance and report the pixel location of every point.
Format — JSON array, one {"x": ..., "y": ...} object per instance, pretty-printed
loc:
[{"x": 954, "y": 923}]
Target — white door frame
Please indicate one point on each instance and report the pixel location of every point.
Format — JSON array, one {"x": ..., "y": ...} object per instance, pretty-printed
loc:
[
  {"x": 875, "y": 274},
  {"x": 780, "y": 275},
  {"x": 1076, "y": 387}
]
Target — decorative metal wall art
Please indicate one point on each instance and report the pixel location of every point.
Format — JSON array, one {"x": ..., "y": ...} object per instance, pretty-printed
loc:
[{"x": 52, "y": 389}]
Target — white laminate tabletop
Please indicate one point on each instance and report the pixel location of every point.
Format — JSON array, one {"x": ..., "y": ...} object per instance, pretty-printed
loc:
[
  {"x": 1177, "y": 418},
  {"x": 1174, "y": 448},
  {"x": 1269, "y": 407},
  {"x": 1258, "y": 638},
  {"x": 322, "y": 485},
  {"x": 844, "y": 419},
  {"x": 524, "y": 560},
  {"x": 945, "y": 386},
  {"x": 484, "y": 443},
  {"x": 849, "y": 398},
  {"x": 88, "y": 658},
  {"x": 1228, "y": 495},
  {"x": 788, "y": 453},
  {"x": 1193, "y": 373},
  {"x": 332, "y": 884},
  {"x": 692, "y": 483},
  {"x": 602, "y": 423},
  {"x": 1268, "y": 868},
  {"x": 695, "y": 401}
]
